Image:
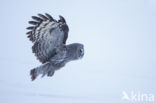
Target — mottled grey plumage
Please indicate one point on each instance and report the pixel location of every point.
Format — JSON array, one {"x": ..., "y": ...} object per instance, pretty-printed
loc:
[{"x": 49, "y": 38}]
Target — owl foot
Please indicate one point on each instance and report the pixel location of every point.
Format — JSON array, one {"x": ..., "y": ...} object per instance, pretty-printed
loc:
[{"x": 50, "y": 73}]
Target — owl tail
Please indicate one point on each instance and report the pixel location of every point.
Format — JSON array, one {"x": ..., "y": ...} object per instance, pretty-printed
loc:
[
  {"x": 44, "y": 69},
  {"x": 33, "y": 74}
]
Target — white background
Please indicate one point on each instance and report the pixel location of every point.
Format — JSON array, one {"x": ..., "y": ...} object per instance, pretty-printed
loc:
[{"x": 120, "y": 51}]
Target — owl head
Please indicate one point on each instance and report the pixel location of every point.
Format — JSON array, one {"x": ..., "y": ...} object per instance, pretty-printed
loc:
[{"x": 75, "y": 51}]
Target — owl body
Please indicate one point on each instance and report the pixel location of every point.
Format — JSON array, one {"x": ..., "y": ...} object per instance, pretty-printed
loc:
[
  {"x": 49, "y": 45},
  {"x": 68, "y": 53}
]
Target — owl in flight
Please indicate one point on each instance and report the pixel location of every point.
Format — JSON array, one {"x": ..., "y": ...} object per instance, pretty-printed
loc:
[{"x": 49, "y": 44}]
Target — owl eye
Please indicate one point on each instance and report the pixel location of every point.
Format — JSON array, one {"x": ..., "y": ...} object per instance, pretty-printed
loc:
[{"x": 81, "y": 51}]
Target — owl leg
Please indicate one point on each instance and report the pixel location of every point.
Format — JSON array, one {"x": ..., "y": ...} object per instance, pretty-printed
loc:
[{"x": 50, "y": 73}]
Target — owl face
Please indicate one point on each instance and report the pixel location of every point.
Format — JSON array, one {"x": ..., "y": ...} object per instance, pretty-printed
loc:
[
  {"x": 80, "y": 52},
  {"x": 75, "y": 51}
]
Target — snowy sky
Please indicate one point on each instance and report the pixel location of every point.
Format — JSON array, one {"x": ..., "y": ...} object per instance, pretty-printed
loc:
[{"x": 119, "y": 37}]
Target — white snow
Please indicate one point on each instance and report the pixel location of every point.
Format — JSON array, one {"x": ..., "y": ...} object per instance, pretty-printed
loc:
[{"x": 119, "y": 40}]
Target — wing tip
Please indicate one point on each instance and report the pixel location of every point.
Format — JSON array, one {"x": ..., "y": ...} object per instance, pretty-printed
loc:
[{"x": 62, "y": 19}]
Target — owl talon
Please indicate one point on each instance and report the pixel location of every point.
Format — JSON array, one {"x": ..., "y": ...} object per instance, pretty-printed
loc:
[{"x": 50, "y": 73}]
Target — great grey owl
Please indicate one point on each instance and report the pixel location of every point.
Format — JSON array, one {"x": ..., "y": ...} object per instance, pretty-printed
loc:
[{"x": 49, "y": 44}]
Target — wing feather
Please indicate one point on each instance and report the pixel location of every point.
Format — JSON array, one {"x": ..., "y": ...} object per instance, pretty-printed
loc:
[
  {"x": 47, "y": 34},
  {"x": 37, "y": 18}
]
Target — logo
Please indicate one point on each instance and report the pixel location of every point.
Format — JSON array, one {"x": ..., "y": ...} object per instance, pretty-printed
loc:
[{"x": 137, "y": 96}]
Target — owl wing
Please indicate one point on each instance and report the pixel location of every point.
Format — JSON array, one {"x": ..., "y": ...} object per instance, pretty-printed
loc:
[{"x": 47, "y": 35}]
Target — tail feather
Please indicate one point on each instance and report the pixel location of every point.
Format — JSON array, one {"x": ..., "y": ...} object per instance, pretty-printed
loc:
[
  {"x": 44, "y": 69},
  {"x": 33, "y": 74}
]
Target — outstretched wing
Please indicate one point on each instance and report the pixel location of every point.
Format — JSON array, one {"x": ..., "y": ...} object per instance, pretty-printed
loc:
[{"x": 47, "y": 34}]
